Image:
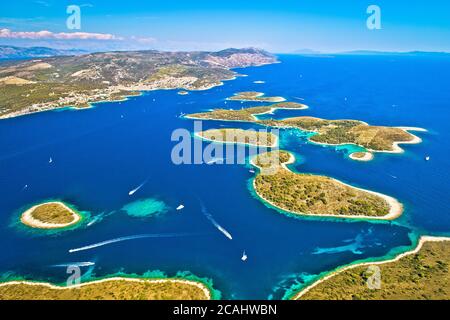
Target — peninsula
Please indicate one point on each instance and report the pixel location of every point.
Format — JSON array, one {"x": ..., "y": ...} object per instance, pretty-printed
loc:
[
  {"x": 48, "y": 83},
  {"x": 249, "y": 137},
  {"x": 118, "y": 288},
  {"x": 50, "y": 215},
  {"x": 315, "y": 195},
  {"x": 422, "y": 273}
]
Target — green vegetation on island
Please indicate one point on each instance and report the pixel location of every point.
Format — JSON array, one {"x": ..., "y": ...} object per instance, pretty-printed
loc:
[
  {"x": 49, "y": 83},
  {"x": 361, "y": 156},
  {"x": 254, "y": 96},
  {"x": 289, "y": 105},
  {"x": 251, "y": 137},
  {"x": 331, "y": 132},
  {"x": 308, "y": 194},
  {"x": 244, "y": 114},
  {"x": 50, "y": 215},
  {"x": 334, "y": 132},
  {"x": 418, "y": 275},
  {"x": 273, "y": 161},
  {"x": 108, "y": 289}
]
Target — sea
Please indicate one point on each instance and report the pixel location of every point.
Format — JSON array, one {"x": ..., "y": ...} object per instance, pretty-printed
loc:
[{"x": 113, "y": 162}]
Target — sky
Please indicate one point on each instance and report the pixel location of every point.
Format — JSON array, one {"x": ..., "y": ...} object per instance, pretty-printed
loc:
[{"x": 280, "y": 26}]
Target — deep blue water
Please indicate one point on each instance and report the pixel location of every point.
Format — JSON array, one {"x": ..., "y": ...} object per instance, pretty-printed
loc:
[{"x": 102, "y": 153}]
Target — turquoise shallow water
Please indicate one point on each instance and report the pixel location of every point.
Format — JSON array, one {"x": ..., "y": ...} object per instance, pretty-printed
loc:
[
  {"x": 145, "y": 208},
  {"x": 101, "y": 154}
]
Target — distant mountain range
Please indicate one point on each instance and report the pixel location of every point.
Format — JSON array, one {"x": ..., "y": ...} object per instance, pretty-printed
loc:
[
  {"x": 372, "y": 53},
  {"x": 11, "y": 52},
  {"x": 390, "y": 53}
]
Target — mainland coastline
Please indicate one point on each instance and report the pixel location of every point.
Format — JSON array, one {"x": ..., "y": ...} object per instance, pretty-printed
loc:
[{"x": 79, "y": 81}]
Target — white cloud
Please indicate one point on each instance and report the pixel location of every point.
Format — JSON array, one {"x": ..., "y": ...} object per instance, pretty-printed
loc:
[{"x": 44, "y": 34}]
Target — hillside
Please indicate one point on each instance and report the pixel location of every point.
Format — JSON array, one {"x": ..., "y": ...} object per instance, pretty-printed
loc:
[{"x": 44, "y": 84}]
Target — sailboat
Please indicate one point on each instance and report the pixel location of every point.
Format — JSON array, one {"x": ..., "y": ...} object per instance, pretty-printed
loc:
[
  {"x": 244, "y": 257},
  {"x": 427, "y": 158},
  {"x": 50, "y": 160}
]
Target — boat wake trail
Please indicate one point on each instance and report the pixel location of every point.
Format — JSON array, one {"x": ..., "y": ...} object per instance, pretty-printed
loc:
[
  {"x": 214, "y": 222},
  {"x": 216, "y": 160},
  {"x": 137, "y": 188},
  {"x": 99, "y": 218},
  {"x": 127, "y": 238},
  {"x": 76, "y": 264}
]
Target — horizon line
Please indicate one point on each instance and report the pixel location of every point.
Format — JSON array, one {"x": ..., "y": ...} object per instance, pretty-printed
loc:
[{"x": 305, "y": 52}]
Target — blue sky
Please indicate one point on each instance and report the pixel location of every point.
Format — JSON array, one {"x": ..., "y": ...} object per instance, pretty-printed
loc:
[{"x": 278, "y": 26}]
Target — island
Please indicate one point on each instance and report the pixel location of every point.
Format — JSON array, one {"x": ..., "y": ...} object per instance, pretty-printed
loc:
[
  {"x": 340, "y": 132},
  {"x": 314, "y": 195},
  {"x": 78, "y": 81},
  {"x": 50, "y": 215},
  {"x": 244, "y": 114},
  {"x": 422, "y": 273},
  {"x": 325, "y": 132},
  {"x": 117, "y": 288},
  {"x": 254, "y": 96},
  {"x": 361, "y": 156},
  {"x": 248, "y": 137}
]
